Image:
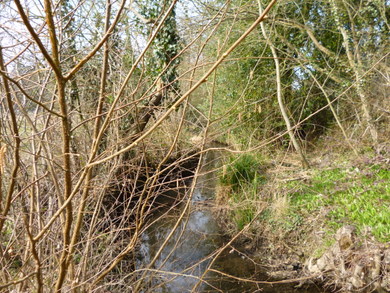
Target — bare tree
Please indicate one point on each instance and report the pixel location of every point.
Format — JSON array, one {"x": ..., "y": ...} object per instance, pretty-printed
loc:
[{"x": 64, "y": 210}]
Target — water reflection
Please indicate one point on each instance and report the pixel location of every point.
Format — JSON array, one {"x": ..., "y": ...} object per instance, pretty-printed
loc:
[
  {"x": 191, "y": 248},
  {"x": 186, "y": 254}
]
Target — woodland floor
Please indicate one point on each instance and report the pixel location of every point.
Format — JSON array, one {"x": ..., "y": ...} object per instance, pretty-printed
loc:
[{"x": 330, "y": 222}]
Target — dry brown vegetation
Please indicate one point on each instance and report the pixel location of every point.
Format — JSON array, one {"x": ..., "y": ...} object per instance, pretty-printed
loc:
[{"x": 98, "y": 123}]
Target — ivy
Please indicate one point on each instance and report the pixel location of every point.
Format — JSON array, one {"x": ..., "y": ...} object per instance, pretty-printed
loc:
[{"x": 166, "y": 45}]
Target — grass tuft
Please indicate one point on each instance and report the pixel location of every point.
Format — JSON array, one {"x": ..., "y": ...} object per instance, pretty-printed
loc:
[{"x": 242, "y": 176}]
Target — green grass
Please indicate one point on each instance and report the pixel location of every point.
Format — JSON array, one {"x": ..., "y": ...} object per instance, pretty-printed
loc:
[
  {"x": 242, "y": 175},
  {"x": 340, "y": 196},
  {"x": 243, "y": 216},
  {"x": 241, "y": 171},
  {"x": 360, "y": 197},
  {"x": 244, "y": 202}
]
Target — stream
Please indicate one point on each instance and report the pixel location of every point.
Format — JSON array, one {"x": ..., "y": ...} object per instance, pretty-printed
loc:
[{"x": 192, "y": 246}]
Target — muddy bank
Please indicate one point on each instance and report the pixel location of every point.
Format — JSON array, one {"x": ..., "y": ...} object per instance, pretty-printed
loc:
[
  {"x": 349, "y": 265},
  {"x": 194, "y": 254},
  {"x": 352, "y": 265},
  {"x": 197, "y": 253},
  {"x": 326, "y": 226}
]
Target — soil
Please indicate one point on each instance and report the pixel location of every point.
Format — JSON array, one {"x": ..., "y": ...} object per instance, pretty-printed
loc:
[{"x": 352, "y": 264}]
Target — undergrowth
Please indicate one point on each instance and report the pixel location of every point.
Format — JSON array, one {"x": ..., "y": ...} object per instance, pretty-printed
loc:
[
  {"x": 356, "y": 196},
  {"x": 242, "y": 176},
  {"x": 330, "y": 198}
]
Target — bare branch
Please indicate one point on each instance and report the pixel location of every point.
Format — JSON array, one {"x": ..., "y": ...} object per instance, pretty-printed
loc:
[
  {"x": 140, "y": 17},
  {"x": 81, "y": 63},
  {"x": 310, "y": 33},
  {"x": 185, "y": 95},
  {"x": 36, "y": 38}
]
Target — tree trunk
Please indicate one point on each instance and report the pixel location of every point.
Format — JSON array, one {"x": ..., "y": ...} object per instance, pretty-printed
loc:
[
  {"x": 305, "y": 163},
  {"x": 358, "y": 73}
]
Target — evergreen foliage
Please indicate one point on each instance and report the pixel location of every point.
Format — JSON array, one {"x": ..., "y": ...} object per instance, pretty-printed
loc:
[{"x": 163, "y": 59}]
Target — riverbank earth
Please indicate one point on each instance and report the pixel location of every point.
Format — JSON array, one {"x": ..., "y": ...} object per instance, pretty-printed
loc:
[
  {"x": 193, "y": 254},
  {"x": 328, "y": 225}
]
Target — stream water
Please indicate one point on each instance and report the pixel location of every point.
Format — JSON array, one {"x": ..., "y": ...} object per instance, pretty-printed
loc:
[{"x": 192, "y": 248}]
